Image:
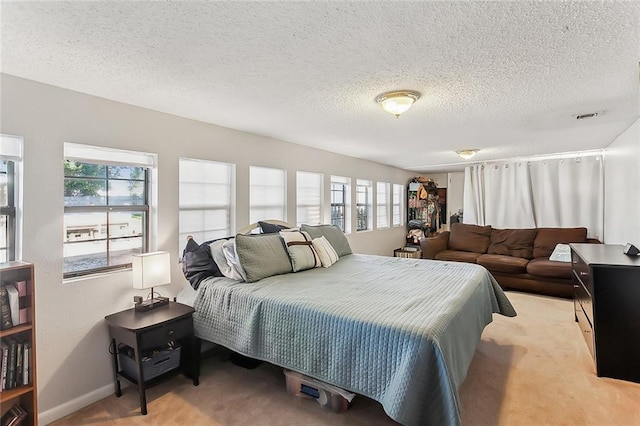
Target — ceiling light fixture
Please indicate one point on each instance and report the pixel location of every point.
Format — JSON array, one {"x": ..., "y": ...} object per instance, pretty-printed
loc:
[
  {"x": 467, "y": 154},
  {"x": 397, "y": 102}
]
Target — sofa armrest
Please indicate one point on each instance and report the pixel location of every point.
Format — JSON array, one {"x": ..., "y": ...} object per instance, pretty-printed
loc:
[
  {"x": 434, "y": 245},
  {"x": 593, "y": 241}
]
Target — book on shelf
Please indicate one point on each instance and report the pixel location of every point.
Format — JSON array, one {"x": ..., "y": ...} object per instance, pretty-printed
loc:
[
  {"x": 5, "y": 363},
  {"x": 5, "y": 309},
  {"x": 14, "y": 416},
  {"x": 25, "y": 363},
  {"x": 11, "y": 363},
  {"x": 25, "y": 302},
  {"x": 14, "y": 303}
]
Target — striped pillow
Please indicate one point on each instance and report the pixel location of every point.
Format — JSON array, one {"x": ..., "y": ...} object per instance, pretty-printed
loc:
[
  {"x": 301, "y": 251},
  {"x": 327, "y": 254}
]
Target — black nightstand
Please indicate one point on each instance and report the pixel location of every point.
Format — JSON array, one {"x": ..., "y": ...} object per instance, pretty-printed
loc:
[{"x": 143, "y": 331}]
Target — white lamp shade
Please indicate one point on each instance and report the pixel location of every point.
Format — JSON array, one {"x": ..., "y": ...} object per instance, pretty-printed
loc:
[{"x": 151, "y": 269}]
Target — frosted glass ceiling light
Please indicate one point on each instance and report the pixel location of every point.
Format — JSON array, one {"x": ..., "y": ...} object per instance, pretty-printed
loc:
[
  {"x": 397, "y": 102},
  {"x": 467, "y": 154}
]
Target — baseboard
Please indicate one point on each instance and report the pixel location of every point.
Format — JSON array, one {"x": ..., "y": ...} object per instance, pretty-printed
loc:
[{"x": 56, "y": 413}]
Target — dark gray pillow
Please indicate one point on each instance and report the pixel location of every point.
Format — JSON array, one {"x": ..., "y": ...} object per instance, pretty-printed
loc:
[
  {"x": 333, "y": 234},
  {"x": 271, "y": 228},
  {"x": 262, "y": 255}
]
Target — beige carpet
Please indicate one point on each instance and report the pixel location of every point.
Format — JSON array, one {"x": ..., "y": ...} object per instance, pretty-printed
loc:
[{"x": 534, "y": 369}]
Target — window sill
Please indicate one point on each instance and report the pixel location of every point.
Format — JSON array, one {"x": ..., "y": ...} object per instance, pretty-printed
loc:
[{"x": 97, "y": 275}]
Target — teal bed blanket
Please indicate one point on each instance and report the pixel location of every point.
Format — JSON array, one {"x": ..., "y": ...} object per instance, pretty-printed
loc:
[{"x": 400, "y": 331}]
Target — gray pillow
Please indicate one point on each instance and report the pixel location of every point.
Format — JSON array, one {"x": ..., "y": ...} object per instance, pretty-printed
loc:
[
  {"x": 333, "y": 234},
  {"x": 262, "y": 255}
]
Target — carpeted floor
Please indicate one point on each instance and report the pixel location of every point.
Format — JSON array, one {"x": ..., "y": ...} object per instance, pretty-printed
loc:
[{"x": 534, "y": 369}]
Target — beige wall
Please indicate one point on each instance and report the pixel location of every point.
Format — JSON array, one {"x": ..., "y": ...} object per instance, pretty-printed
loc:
[
  {"x": 73, "y": 361},
  {"x": 622, "y": 188}
]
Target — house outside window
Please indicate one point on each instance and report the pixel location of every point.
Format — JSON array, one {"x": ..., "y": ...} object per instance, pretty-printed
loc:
[
  {"x": 398, "y": 205},
  {"x": 106, "y": 209},
  {"x": 10, "y": 161},
  {"x": 364, "y": 205},
  {"x": 383, "y": 200},
  {"x": 207, "y": 200},
  {"x": 341, "y": 203},
  {"x": 267, "y": 194},
  {"x": 309, "y": 199}
]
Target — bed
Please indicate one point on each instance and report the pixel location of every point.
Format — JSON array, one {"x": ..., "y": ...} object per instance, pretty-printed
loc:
[{"x": 400, "y": 331}]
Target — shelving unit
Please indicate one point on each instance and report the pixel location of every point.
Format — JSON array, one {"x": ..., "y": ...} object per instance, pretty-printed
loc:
[{"x": 24, "y": 395}]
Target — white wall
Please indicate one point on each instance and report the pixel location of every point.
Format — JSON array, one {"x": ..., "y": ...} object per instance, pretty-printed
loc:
[
  {"x": 74, "y": 367},
  {"x": 622, "y": 188}
]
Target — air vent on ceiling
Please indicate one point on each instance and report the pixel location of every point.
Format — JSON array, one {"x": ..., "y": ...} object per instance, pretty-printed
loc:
[{"x": 585, "y": 116}]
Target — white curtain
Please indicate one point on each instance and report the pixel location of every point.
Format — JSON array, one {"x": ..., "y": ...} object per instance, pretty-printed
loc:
[{"x": 564, "y": 192}]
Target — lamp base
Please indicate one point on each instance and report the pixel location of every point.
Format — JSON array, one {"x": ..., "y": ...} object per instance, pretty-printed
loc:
[{"x": 150, "y": 304}]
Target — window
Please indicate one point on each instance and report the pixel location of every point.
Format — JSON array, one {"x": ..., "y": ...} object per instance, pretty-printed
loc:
[
  {"x": 10, "y": 156},
  {"x": 341, "y": 203},
  {"x": 106, "y": 208},
  {"x": 309, "y": 198},
  {"x": 382, "y": 204},
  {"x": 363, "y": 205},
  {"x": 267, "y": 194},
  {"x": 207, "y": 200},
  {"x": 398, "y": 203}
]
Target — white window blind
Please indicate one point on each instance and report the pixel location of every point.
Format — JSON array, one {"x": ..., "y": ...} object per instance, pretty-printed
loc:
[
  {"x": 100, "y": 155},
  {"x": 309, "y": 198},
  {"x": 267, "y": 194},
  {"x": 341, "y": 203},
  {"x": 207, "y": 200},
  {"x": 382, "y": 204},
  {"x": 398, "y": 204}
]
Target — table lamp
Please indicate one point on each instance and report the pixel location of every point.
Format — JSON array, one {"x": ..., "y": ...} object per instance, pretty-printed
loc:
[{"x": 151, "y": 270}]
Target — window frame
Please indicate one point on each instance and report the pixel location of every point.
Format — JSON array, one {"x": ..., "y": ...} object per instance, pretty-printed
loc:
[
  {"x": 108, "y": 209},
  {"x": 320, "y": 190},
  {"x": 9, "y": 210},
  {"x": 368, "y": 205},
  {"x": 253, "y": 206},
  {"x": 230, "y": 208},
  {"x": 348, "y": 203},
  {"x": 386, "y": 204},
  {"x": 397, "y": 202},
  {"x": 344, "y": 191}
]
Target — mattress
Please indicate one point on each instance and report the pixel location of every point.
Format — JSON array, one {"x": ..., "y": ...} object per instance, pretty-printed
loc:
[{"x": 400, "y": 331}]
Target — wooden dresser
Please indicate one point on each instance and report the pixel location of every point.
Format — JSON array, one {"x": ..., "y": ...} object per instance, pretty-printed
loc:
[{"x": 607, "y": 307}]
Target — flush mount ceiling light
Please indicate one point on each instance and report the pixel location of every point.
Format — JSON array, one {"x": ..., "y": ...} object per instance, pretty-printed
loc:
[
  {"x": 467, "y": 154},
  {"x": 397, "y": 102}
]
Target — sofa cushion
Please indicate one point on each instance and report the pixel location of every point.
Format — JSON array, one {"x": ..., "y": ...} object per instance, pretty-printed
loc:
[
  {"x": 512, "y": 242},
  {"x": 501, "y": 263},
  {"x": 470, "y": 238},
  {"x": 547, "y": 239},
  {"x": 458, "y": 256},
  {"x": 548, "y": 268}
]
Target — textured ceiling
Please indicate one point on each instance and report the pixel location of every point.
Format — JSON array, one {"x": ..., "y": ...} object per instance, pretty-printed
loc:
[{"x": 506, "y": 77}]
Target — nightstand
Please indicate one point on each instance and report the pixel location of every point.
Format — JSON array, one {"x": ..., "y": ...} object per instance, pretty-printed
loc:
[{"x": 154, "y": 329}]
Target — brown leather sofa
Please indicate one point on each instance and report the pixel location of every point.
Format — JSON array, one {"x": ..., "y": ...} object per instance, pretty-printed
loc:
[{"x": 517, "y": 258}]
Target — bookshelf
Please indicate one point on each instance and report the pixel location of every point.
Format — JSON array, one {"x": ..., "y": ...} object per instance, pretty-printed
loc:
[{"x": 23, "y": 334}]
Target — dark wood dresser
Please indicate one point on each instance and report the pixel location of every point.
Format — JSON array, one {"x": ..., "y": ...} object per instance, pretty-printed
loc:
[{"x": 607, "y": 307}]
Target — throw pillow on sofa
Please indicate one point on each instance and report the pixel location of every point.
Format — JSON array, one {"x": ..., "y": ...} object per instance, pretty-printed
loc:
[
  {"x": 547, "y": 239},
  {"x": 512, "y": 242},
  {"x": 471, "y": 238}
]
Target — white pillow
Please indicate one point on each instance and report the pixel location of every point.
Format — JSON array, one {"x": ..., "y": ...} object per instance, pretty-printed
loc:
[
  {"x": 233, "y": 261},
  {"x": 217, "y": 253},
  {"x": 562, "y": 253},
  {"x": 325, "y": 250}
]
